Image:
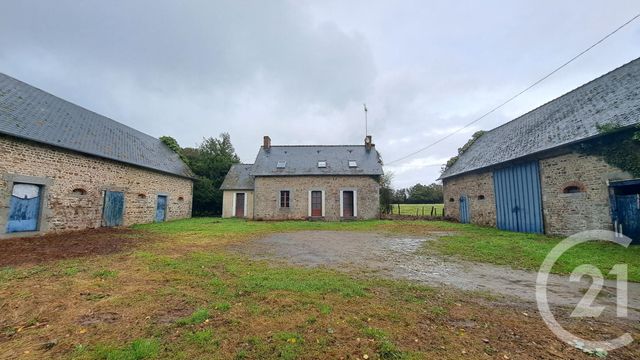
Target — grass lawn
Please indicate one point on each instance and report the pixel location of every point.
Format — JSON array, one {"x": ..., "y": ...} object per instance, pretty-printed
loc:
[
  {"x": 179, "y": 293},
  {"x": 528, "y": 251},
  {"x": 413, "y": 209}
]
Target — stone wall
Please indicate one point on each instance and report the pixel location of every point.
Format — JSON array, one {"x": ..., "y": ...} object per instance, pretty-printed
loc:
[
  {"x": 227, "y": 203},
  {"x": 60, "y": 172},
  {"x": 569, "y": 213},
  {"x": 479, "y": 190},
  {"x": 267, "y": 194}
]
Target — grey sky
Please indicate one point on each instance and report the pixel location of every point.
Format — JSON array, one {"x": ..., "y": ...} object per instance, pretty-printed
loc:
[{"x": 299, "y": 71}]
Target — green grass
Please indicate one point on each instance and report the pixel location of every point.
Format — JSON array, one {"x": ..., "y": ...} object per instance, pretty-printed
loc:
[
  {"x": 201, "y": 337},
  {"x": 265, "y": 309},
  {"x": 198, "y": 317},
  {"x": 105, "y": 274},
  {"x": 137, "y": 350},
  {"x": 528, "y": 251},
  {"x": 418, "y": 209}
]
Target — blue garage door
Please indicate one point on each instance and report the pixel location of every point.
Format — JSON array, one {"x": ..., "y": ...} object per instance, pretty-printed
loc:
[
  {"x": 113, "y": 208},
  {"x": 518, "y": 198},
  {"x": 24, "y": 208},
  {"x": 465, "y": 216}
]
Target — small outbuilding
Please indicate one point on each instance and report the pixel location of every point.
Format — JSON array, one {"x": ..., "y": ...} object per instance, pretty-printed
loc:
[
  {"x": 559, "y": 169},
  {"x": 64, "y": 167},
  {"x": 323, "y": 182}
]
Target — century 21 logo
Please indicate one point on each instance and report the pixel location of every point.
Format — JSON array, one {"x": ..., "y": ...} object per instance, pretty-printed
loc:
[{"x": 586, "y": 307}]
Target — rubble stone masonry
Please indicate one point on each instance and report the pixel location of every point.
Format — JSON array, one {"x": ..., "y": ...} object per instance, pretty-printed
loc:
[
  {"x": 267, "y": 192},
  {"x": 73, "y": 186},
  {"x": 478, "y": 187},
  {"x": 565, "y": 213},
  {"x": 589, "y": 209}
]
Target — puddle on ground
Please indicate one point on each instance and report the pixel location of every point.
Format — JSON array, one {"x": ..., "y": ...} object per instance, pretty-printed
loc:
[{"x": 402, "y": 258}]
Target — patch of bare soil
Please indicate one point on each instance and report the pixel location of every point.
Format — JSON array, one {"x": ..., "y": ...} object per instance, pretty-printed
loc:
[
  {"x": 107, "y": 317},
  {"x": 68, "y": 245}
]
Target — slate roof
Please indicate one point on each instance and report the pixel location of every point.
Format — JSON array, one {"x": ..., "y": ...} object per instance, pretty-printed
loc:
[
  {"x": 29, "y": 113},
  {"x": 611, "y": 98},
  {"x": 238, "y": 178},
  {"x": 303, "y": 160}
]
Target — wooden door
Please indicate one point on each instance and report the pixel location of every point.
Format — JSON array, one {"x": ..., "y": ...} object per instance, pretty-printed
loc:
[
  {"x": 161, "y": 208},
  {"x": 628, "y": 212},
  {"x": 347, "y": 204},
  {"x": 240, "y": 204},
  {"x": 465, "y": 217},
  {"x": 113, "y": 209},
  {"x": 316, "y": 203},
  {"x": 24, "y": 208},
  {"x": 519, "y": 198}
]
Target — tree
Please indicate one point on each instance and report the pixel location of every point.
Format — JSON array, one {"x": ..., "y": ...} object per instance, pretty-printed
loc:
[
  {"x": 425, "y": 194},
  {"x": 386, "y": 193},
  {"x": 477, "y": 135},
  {"x": 210, "y": 162},
  {"x": 400, "y": 196}
]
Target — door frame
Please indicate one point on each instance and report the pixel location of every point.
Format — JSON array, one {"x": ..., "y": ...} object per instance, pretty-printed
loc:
[
  {"x": 235, "y": 195},
  {"x": 323, "y": 202},
  {"x": 43, "y": 213},
  {"x": 355, "y": 201}
]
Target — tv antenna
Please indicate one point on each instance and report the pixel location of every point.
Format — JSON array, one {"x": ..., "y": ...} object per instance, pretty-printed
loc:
[{"x": 366, "y": 125}]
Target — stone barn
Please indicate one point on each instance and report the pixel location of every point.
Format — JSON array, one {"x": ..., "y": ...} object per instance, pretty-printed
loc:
[
  {"x": 64, "y": 167},
  {"x": 559, "y": 169},
  {"x": 323, "y": 182}
]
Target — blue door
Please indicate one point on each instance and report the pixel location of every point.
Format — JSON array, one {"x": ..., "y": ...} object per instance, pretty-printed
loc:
[
  {"x": 161, "y": 208},
  {"x": 24, "y": 208},
  {"x": 465, "y": 217},
  {"x": 518, "y": 198},
  {"x": 113, "y": 208},
  {"x": 628, "y": 216}
]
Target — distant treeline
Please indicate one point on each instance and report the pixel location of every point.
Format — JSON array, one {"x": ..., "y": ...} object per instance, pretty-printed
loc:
[{"x": 419, "y": 194}]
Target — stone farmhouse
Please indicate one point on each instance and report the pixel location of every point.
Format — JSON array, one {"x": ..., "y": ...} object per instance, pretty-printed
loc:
[
  {"x": 66, "y": 168},
  {"x": 533, "y": 175},
  {"x": 325, "y": 182}
]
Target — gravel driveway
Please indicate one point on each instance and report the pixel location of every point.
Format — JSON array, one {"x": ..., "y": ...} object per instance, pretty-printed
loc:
[{"x": 402, "y": 258}]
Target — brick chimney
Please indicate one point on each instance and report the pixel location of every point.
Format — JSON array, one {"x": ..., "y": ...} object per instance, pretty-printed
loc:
[
  {"x": 266, "y": 143},
  {"x": 368, "y": 143}
]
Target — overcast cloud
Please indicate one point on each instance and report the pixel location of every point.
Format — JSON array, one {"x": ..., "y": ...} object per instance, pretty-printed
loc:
[{"x": 299, "y": 71}]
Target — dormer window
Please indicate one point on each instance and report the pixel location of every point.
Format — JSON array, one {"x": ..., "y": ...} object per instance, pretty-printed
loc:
[
  {"x": 322, "y": 164},
  {"x": 281, "y": 164},
  {"x": 353, "y": 164}
]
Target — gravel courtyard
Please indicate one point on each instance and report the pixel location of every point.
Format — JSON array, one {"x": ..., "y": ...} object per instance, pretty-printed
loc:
[{"x": 404, "y": 258}]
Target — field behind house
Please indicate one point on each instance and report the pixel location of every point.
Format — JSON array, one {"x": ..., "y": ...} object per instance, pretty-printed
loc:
[
  {"x": 175, "y": 290},
  {"x": 418, "y": 209}
]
